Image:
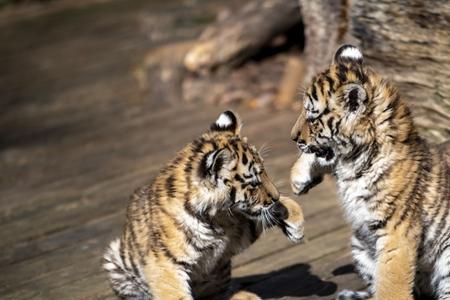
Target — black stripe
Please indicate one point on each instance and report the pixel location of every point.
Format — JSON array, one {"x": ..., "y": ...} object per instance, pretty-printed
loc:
[
  {"x": 233, "y": 195},
  {"x": 196, "y": 147},
  {"x": 132, "y": 243},
  {"x": 170, "y": 186},
  {"x": 202, "y": 217},
  {"x": 173, "y": 259},
  {"x": 356, "y": 152},
  {"x": 314, "y": 93},
  {"x": 352, "y": 102},
  {"x": 244, "y": 159},
  {"x": 321, "y": 85},
  {"x": 342, "y": 73},
  {"x": 359, "y": 248},
  {"x": 387, "y": 119},
  {"x": 361, "y": 75},
  {"x": 239, "y": 178},
  {"x": 442, "y": 248},
  {"x": 134, "y": 267},
  {"x": 336, "y": 127},
  {"x": 330, "y": 82},
  {"x": 376, "y": 225},
  {"x": 122, "y": 251},
  {"x": 393, "y": 105},
  {"x": 218, "y": 164},
  {"x": 330, "y": 124}
]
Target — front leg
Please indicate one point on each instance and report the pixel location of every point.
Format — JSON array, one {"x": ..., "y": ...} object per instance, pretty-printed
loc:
[
  {"x": 166, "y": 279},
  {"x": 397, "y": 259},
  {"x": 289, "y": 215},
  {"x": 306, "y": 173},
  {"x": 365, "y": 266}
]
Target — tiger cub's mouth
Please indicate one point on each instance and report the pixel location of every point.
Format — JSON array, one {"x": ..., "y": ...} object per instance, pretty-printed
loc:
[
  {"x": 268, "y": 215},
  {"x": 252, "y": 213}
]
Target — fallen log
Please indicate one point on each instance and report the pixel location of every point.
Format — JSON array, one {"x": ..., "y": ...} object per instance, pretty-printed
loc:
[{"x": 239, "y": 36}]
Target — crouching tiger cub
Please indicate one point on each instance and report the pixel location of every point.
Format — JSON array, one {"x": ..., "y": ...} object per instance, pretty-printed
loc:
[
  {"x": 393, "y": 186},
  {"x": 208, "y": 204}
]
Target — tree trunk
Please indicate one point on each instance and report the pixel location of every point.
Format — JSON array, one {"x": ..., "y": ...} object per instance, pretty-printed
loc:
[
  {"x": 325, "y": 23},
  {"x": 409, "y": 41}
]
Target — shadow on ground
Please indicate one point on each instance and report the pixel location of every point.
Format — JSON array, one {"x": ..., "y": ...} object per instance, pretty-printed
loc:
[{"x": 293, "y": 281}]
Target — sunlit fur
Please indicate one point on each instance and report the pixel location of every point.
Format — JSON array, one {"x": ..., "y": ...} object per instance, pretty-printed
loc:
[
  {"x": 206, "y": 205},
  {"x": 393, "y": 186}
]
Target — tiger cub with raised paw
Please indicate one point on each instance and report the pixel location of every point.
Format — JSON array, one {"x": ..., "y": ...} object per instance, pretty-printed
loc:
[
  {"x": 209, "y": 203},
  {"x": 393, "y": 186}
]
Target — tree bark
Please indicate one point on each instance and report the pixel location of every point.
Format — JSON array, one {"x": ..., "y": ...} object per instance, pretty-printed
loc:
[
  {"x": 409, "y": 41},
  {"x": 325, "y": 23}
]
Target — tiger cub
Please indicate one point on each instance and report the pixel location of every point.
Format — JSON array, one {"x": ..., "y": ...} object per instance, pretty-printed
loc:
[
  {"x": 209, "y": 203},
  {"x": 393, "y": 186}
]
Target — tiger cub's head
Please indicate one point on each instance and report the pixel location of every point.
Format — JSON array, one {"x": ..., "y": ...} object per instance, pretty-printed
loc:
[
  {"x": 336, "y": 112},
  {"x": 231, "y": 171},
  {"x": 337, "y": 121}
]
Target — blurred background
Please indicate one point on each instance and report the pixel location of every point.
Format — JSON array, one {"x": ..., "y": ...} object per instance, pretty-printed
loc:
[{"x": 95, "y": 95}]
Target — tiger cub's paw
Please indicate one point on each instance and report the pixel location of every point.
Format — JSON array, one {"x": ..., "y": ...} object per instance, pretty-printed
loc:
[
  {"x": 244, "y": 295},
  {"x": 353, "y": 295},
  {"x": 289, "y": 214}
]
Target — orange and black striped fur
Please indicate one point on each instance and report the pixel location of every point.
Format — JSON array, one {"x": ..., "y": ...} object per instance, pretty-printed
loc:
[
  {"x": 393, "y": 186},
  {"x": 209, "y": 203}
]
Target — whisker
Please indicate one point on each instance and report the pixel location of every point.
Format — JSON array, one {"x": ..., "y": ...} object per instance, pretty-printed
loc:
[
  {"x": 230, "y": 212},
  {"x": 267, "y": 221},
  {"x": 302, "y": 89},
  {"x": 262, "y": 222},
  {"x": 264, "y": 150},
  {"x": 274, "y": 220}
]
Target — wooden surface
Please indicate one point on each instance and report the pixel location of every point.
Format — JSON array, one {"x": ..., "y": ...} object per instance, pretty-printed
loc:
[{"x": 76, "y": 138}]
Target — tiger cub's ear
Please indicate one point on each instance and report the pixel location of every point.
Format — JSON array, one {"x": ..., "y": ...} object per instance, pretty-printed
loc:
[
  {"x": 227, "y": 121},
  {"x": 348, "y": 54},
  {"x": 355, "y": 98},
  {"x": 212, "y": 162}
]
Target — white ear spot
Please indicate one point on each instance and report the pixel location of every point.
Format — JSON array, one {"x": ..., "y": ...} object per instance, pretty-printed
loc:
[
  {"x": 352, "y": 53},
  {"x": 223, "y": 121}
]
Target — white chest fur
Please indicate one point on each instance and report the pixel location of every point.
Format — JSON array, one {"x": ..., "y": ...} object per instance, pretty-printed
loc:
[{"x": 353, "y": 194}]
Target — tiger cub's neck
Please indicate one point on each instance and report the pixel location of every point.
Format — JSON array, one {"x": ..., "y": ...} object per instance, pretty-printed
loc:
[
  {"x": 394, "y": 135},
  {"x": 191, "y": 202},
  {"x": 396, "y": 144}
]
